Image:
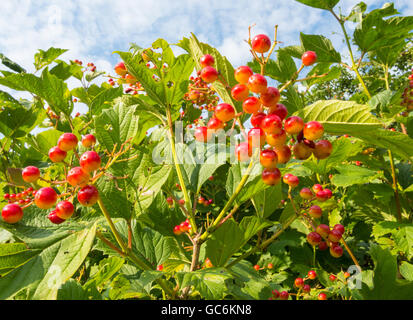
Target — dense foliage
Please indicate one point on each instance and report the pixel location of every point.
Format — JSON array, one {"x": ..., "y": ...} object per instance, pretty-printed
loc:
[{"x": 308, "y": 194}]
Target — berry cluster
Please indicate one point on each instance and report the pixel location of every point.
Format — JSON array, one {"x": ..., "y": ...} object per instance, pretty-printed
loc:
[
  {"x": 182, "y": 227},
  {"x": 46, "y": 197},
  {"x": 325, "y": 237},
  {"x": 268, "y": 118},
  {"x": 200, "y": 93},
  {"x": 408, "y": 95}
]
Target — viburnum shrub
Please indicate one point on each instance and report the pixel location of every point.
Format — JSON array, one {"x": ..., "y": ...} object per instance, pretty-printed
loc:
[{"x": 286, "y": 177}]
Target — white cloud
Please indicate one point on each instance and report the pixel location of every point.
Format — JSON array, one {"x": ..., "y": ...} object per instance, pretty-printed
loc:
[{"x": 94, "y": 29}]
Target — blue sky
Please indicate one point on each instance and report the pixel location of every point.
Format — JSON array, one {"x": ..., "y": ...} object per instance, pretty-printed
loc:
[{"x": 93, "y": 29}]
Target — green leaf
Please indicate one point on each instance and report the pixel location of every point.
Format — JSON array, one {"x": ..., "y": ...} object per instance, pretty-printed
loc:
[
  {"x": 173, "y": 80},
  {"x": 281, "y": 70},
  {"x": 224, "y": 242},
  {"x": 341, "y": 117},
  {"x": 72, "y": 290},
  {"x": 248, "y": 284},
  {"x": 250, "y": 226},
  {"x": 16, "y": 119},
  {"x": 13, "y": 255},
  {"x": 64, "y": 71},
  {"x": 351, "y": 174},
  {"x": 322, "y": 69},
  {"x": 44, "y": 58},
  {"x": 253, "y": 185},
  {"x": 49, "y": 267},
  {"x": 197, "y": 50},
  {"x": 267, "y": 201},
  {"x": 211, "y": 283},
  {"x": 321, "y": 46},
  {"x": 47, "y": 86},
  {"x": 292, "y": 100},
  {"x": 386, "y": 286},
  {"x": 406, "y": 270},
  {"x": 160, "y": 217},
  {"x": 117, "y": 125},
  {"x": 11, "y": 64},
  {"x": 320, "y": 4},
  {"x": 106, "y": 270}
]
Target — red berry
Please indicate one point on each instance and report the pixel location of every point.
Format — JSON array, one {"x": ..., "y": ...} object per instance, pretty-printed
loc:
[
  {"x": 30, "y": 174},
  {"x": 88, "y": 196},
  {"x": 240, "y": 92},
  {"x": 283, "y": 154},
  {"x": 336, "y": 251},
  {"x": 181, "y": 202},
  {"x": 257, "y": 118},
  {"x": 53, "y": 217},
  {"x": 12, "y": 213},
  {"x": 257, "y": 83},
  {"x": 306, "y": 288},
  {"x": 77, "y": 177},
  {"x": 272, "y": 124},
  {"x": 306, "y": 194},
  {"x": 268, "y": 159},
  {"x": 301, "y": 151},
  {"x": 242, "y": 151},
  {"x": 209, "y": 74},
  {"x": 169, "y": 201},
  {"x": 67, "y": 141},
  {"x": 90, "y": 161},
  {"x": 177, "y": 230},
  {"x": 45, "y": 198},
  {"x": 323, "y": 246},
  {"x": 202, "y": 134},
  {"x": 317, "y": 187},
  {"x": 313, "y": 130},
  {"x": 271, "y": 97},
  {"x": 270, "y": 266},
  {"x": 242, "y": 74},
  {"x": 206, "y": 60},
  {"x": 256, "y": 138},
  {"x": 312, "y": 274},
  {"x": 346, "y": 275},
  {"x": 159, "y": 268},
  {"x": 224, "y": 112},
  {"x": 291, "y": 180},
  {"x": 323, "y": 149},
  {"x": 251, "y": 105},
  {"x": 323, "y": 195},
  {"x": 332, "y": 277},
  {"x": 130, "y": 79},
  {"x": 88, "y": 140},
  {"x": 322, "y": 296},
  {"x": 323, "y": 230},
  {"x": 299, "y": 282},
  {"x": 284, "y": 295},
  {"x": 271, "y": 176},
  {"x": 339, "y": 228},
  {"x": 275, "y": 293},
  {"x": 293, "y": 125},
  {"x": 276, "y": 140},
  {"x": 120, "y": 69},
  {"x": 215, "y": 124},
  {"x": 280, "y": 110},
  {"x": 64, "y": 209},
  {"x": 261, "y": 43},
  {"x": 309, "y": 58},
  {"x": 314, "y": 238},
  {"x": 257, "y": 267},
  {"x": 315, "y": 212},
  {"x": 57, "y": 155},
  {"x": 334, "y": 235}
]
